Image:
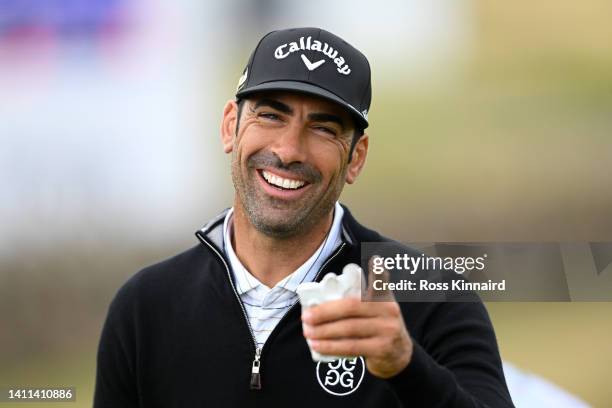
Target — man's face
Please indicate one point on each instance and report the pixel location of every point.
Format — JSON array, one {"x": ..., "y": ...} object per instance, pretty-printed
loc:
[{"x": 289, "y": 160}]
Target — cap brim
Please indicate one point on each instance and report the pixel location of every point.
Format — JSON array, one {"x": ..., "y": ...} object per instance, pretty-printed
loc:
[{"x": 307, "y": 89}]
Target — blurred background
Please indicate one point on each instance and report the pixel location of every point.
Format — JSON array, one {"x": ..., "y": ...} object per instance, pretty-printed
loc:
[{"x": 491, "y": 121}]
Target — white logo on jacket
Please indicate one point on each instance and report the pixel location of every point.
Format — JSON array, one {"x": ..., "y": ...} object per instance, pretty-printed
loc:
[
  {"x": 341, "y": 377},
  {"x": 284, "y": 50}
]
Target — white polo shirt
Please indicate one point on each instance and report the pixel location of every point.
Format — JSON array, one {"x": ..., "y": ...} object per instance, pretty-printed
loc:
[{"x": 266, "y": 306}]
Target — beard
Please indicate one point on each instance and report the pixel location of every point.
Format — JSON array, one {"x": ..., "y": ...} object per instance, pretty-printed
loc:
[{"x": 281, "y": 218}]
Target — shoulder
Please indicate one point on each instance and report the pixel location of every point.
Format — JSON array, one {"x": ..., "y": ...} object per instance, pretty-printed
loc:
[
  {"x": 164, "y": 279},
  {"x": 361, "y": 235},
  {"x": 425, "y": 303}
]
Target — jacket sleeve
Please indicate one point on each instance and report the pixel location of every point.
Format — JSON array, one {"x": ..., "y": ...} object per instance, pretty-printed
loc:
[
  {"x": 116, "y": 369},
  {"x": 457, "y": 362}
]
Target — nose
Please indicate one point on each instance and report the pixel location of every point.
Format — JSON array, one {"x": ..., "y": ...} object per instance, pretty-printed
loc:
[{"x": 290, "y": 145}]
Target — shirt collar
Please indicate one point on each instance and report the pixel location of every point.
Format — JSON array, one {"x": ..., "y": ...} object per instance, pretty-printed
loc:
[{"x": 306, "y": 272}]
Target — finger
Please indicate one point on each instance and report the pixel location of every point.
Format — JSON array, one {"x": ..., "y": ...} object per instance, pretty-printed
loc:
[
  {"x": 348, "y": 347},
  {"x": 338, "y": 309},
  {"x": 348, "y": 308},
  {"x": 378, "y": 295},
  {"x": 345, "y": 328}
]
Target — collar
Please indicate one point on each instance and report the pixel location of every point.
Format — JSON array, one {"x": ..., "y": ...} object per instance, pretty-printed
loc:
[
  {"x": 306, "y": 272},
  {"x": 353, "y": 233}
]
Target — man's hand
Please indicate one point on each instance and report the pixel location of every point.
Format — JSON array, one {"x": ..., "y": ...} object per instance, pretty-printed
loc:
[{"x": 374, "y": 330}]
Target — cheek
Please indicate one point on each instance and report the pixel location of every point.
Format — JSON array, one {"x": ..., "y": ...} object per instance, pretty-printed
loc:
[
  {"x": 246, "y": 145},
  {"x": 342, "y": 150},
  {"x": 331, "y": 159}
]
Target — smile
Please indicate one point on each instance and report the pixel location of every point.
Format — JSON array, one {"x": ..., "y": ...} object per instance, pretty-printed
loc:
[{"x": 282, "y": 182}]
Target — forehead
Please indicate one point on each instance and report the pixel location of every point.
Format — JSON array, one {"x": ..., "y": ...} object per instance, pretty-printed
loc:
[{"x": 296, "y": 100}]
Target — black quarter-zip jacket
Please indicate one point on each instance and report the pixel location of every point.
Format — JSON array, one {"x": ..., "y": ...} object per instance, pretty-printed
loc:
[{"x": 176, "y": 335}]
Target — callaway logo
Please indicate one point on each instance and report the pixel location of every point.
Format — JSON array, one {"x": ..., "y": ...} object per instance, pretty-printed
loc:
[
  {"x": 341, "y": 377},
  {"x": 316, "y": 45},
  {"x": 310, "y": 65}
]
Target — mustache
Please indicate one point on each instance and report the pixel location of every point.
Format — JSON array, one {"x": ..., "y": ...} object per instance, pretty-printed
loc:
[{"x": 267, "y": 159}]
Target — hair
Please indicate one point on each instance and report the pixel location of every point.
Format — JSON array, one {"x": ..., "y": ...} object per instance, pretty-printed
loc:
[{"x": 356, "y": 134}]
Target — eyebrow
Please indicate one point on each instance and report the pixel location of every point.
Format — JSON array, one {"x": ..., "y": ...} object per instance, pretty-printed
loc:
[
  {"x": 284, "y": 108},
  {"x": 274, "y": 104}
]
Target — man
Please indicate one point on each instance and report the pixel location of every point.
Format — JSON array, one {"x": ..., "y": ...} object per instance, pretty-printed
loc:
[{"x": 220, "y": 326}]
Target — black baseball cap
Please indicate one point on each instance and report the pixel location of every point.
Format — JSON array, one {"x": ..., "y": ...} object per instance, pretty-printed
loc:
[{"x": 312, "y": 61}]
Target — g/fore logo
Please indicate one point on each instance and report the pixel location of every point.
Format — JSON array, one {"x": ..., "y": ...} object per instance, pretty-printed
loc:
[
  {"x": 341, "y": 377},
  {"x": 316, "y": 45}
]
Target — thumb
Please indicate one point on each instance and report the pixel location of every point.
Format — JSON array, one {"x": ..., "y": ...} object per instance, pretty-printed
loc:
[{"x": 377, "y": 273}]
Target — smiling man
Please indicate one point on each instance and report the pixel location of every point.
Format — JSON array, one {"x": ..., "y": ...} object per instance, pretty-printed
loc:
[{"x": 220, "y": 325}]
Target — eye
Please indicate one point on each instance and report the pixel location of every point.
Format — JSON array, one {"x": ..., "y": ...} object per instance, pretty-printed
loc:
[
  {"x": 269, "y": 116},
  {"x": 325, "y": 129}
]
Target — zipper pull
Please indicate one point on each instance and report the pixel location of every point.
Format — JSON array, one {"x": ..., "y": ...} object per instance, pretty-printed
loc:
[{"x": 255, "y": 375}]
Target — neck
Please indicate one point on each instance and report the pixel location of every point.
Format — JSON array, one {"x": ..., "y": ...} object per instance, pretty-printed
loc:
[{"x": 271, "y": 259}]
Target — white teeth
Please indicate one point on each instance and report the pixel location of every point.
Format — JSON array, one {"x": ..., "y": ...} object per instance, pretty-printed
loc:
[{"x": 282, "y": 182}]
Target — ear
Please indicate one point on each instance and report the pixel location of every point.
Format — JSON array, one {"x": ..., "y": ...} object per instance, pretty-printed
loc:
[
  {"x": 359, "y": 157},
  {"x": 228, "y": 125}
]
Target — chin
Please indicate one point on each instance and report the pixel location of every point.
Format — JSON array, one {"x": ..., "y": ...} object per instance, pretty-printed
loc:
[
  {"x": 279, "y": 226},
  {"x": 277, "y": 230}
]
